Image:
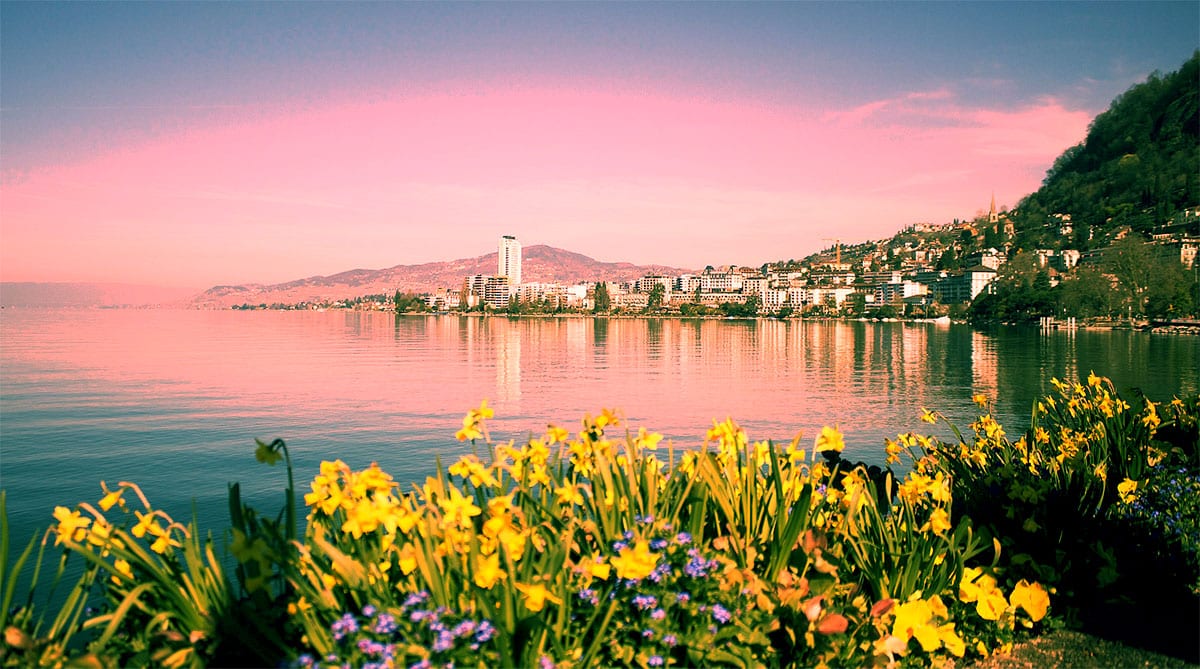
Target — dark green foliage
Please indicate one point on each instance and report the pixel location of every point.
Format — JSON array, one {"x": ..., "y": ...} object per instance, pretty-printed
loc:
[
  {"x": 602, "y": 300},
  {"x": 407, "y": 302},
  {"x": 1138, "y": 167}
]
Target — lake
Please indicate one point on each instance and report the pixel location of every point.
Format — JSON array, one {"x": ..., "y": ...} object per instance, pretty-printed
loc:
[{"x": 173, "y": 399}]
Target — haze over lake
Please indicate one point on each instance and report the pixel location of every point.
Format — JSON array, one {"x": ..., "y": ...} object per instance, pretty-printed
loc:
[{"x": 173, "y": 399}]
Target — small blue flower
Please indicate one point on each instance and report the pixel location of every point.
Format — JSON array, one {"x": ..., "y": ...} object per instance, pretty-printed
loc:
[
  {"x": 683, "y": 538},
  {"x": 384, "y": 624},
  {"x": 464, "y": 629},
  {"x": 443, "y": 642},
  {"x": 645, "y": 602},
  {"x": 368, "y": 611},
  {"x": 485, "y": 632},
  {"x": 658, "y": 544},
  {"x": 590, "y": 596},
  {"x": 415, "y": 599},
  {"x": 721, "y": 614}
]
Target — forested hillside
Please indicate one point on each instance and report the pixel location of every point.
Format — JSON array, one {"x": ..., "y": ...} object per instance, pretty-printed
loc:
[{"x": 1139, "y": 167}]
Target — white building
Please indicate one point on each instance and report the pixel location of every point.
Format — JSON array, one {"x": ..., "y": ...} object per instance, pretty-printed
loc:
[{"x": 510, "y": 261}]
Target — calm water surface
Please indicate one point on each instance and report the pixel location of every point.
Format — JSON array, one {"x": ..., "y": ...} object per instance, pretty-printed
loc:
[{"x": 174, "y": 399}]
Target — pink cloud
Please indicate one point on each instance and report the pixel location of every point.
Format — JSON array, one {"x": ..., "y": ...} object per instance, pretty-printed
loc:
[{"x": 619, "y": 174}]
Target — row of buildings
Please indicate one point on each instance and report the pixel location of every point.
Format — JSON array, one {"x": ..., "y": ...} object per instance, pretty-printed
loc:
[
  {"x": 826, "y": 285},
  {"x": 909, "y": 277}
]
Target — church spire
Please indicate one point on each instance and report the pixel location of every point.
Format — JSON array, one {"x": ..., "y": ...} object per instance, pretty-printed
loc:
[{"x": 992, "y": 216}]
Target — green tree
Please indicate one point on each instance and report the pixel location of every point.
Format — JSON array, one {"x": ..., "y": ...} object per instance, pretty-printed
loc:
[
  {"x": 1132, "y": 262},
  {"x": 655, "y": 301},
  {"x": 855, "y": 304},
  {"x": 1086, "y": 293},
  {"x": 601, "y": 300}
]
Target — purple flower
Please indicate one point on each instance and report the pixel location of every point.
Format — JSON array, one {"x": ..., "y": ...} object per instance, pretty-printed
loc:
[
  {"x": 683, "y": 597},
  {"x": 721, "y": 614},
  {"x": 443, "y": 642},
  {"x": 658, "y": 614},
  {"x": 464, "y": 629},
  {"x": 545, "y": 662},
  {"x": 660, "y": 572},
  {"x": 670, "y": 640},
  {"x": 646, "y": 634},
  {"x": 485, "y": 632},
  {"x": 655, "y": 661},
  {"x": 415, "y": 599},
  {"x": 697, "y": 567},
  {"x": 368, "y": 611},
  {"x": 384, "y": 624},
  {"x": 658, "y": 544},
  {"x": 683, "y": 538},
  {"x": 645, "y": 602}
]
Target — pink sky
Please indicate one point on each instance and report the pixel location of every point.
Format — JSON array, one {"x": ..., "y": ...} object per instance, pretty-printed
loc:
[{"x": 617, "y": 174}]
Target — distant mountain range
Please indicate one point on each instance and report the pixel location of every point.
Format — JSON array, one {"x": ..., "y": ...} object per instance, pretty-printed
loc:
[{"x": 539, "y": 263}]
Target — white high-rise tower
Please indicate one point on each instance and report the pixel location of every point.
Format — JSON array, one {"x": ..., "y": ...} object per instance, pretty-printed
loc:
[{"x": 510, "y": 261}]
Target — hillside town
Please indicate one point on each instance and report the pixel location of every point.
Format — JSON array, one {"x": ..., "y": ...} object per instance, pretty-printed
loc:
[{"x": 924, "y": 271}]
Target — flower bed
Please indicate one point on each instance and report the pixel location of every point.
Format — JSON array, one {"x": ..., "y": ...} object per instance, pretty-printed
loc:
[{"x": 607, "y": 547}]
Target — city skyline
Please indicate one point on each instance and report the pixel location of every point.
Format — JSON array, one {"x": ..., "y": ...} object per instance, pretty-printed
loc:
[{"x": 197, "y": 144}]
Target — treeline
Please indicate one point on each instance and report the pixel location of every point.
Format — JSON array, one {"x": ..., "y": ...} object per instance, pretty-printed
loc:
[{"x": 1132, "y": 279}]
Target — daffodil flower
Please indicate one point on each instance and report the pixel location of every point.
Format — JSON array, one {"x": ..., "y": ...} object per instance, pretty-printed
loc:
[{"x": 830, "y": 439}]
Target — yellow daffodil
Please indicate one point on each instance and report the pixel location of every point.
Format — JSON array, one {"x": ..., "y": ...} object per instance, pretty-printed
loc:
[
  {"x": 472, "y": 428},
  {"x": 72, "y": 526},
  {"x": 164, "y": 543},
  {"x": 536, "y": 596},
  {"x": 647, "y": 440},
  {"x": 568, "y": 495},
  {"x": 928, "y": 416},
  {"x": 407, "y": 559},
  {"x": 635, "y": 563},
  {"x": 457, "y": 509},
  {"x": 914, "y": 620},
  {"x": 980, "y": 399},
  {"x": 1127, "y": 490},
  {"x": 488, "y": 571},
  {"x": 266, "y": 454},
  {"x": 556, "y": 435},
  {"x": 123, "y": 570},
  {"x": 830, "y": 439},
  {"x": 1032, "y": 597},
  {"x": 111, "y": 498},
  {"x": 939, "y": 521}
]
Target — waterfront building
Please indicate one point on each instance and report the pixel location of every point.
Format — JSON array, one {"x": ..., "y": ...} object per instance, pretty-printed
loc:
[
  {"x": 493, "y": 291},
  {"x": 510, "y": 261}
]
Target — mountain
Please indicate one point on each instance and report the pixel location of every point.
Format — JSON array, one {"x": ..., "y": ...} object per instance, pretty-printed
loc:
[
  {"x": 539, "y": 263},
  {"x": 1138, "y": 167},
  {"x": 84, "y": 295}
]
